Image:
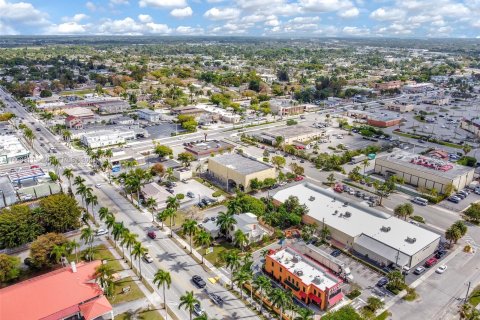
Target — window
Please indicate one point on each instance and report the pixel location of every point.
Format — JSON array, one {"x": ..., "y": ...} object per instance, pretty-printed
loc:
[
  {"x": 281, "y": 269},
  {"x": 272, "y": 263}
]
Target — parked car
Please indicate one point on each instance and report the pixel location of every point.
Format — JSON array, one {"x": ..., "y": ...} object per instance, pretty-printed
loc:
[
  {"x": 336, "y": 253},
  {"x": 441, "y": 269},
  {"x": 171, "y": 190},
  {"x": 358, "y": 194},
  {"x": 215, "y": 298},
  {"x": 298, "y": 178},
  {"x": 430, "y": 262},
  {"x": 147, "y": 258},
  {"x": 101, "y": 232},
  {"x": 198, "y": 281},
  {"x": 152, "y": 234},
  {"x": 453, "y": 199},
  {"x": 419, "y": 270},
  {"x": 190, "y": 194},
  {"x": 382, "y": 282},
  {"x": 440, "y": 254},
  {"x": 460, "y": 195},
  {"x": 198, "y": 310},
  {"x": 98, "y": 185}
]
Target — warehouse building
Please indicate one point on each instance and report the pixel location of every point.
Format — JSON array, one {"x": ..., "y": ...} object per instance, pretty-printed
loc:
[
  {"x": 290, "y": 134},
  {"x": 204, "y": 149},
  {"x": 149, "y": 115},
  {"x": 104, "y": 138},
  {"x": 236, "y": 171},
  {"x": 424, "y": 171},
  {"x": 305, "y": 278},
  {"x": 12, "y": 150},
  {"x": 376, "y": 235}
]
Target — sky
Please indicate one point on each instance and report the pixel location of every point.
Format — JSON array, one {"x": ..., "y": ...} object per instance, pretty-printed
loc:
[{"x": 269, "y": 18}]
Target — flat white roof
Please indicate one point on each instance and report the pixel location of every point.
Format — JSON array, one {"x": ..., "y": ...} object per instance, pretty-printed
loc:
[
  {"x": 325, "y": 205},
  {"x": 306, "y": 269}
]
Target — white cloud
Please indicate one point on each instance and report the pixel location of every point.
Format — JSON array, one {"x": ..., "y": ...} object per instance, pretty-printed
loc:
[
  {"x": 390, "y": 14},
  {"x": 189, "y": 30},
  {"x": 22, "y": 13},
  {"x": 129, "y": 26},
  {"x": 66, "y": 28},
  {"x": 145, "y": 18},
  {"x": 91, "y": 6},
  {"x": 325, "y": 5},
  {"x": 6, "y": 30},
  {"x": 181, "y": 13},
  {"x": 273, "y": 22},
  {"x": 222, "y": 13},
  {"x": 76, "y": 18},
  {"x": 355, "y": 31},
  {"x": 163, "y": 3},
  {"x": 304, "y": 19},
  {"x": 349, "y": 13},
  {"x": 118, "y": 2}
]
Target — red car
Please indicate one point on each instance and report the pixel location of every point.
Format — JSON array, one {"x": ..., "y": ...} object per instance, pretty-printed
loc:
[
  {"x": 152, "y": 235},
  {"x": 298, "y": 178},
  {"x": 430, "y": 262}
]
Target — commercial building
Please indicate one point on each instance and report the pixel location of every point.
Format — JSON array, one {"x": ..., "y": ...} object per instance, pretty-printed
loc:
[
  {"x": 289, "y": 134},
  {"x": 423, "y": 171},
  {"x": 189, "y": 110},
  {"x": 285, "y": 107},
  {"x": 418, "y": 87},
  {"x": 382, "y": 120},
  {"x": 235, "y": 170},
  {"x": 471, "y": 125},
  {"x": 111, "y": 106},
  {"x": 205, "y": 149},
  {"x": 105, "y": 138},
  {"x": 390, "y": 85},
  {"x": 12, "y": 149},
  {"x": 67, "y": 293},
  {"x": 247, "y": 222},
  {"x": 399, "y": 107},
  {"x": 149, "y": 115},
  {"x": 376, "y": 235},
  {"x": 305, "y": 278},
  {"x": 8, "y": 196},
  {"x": 80, "y": 113}
]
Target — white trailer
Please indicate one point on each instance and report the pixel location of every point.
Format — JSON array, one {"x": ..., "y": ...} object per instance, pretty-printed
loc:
[{"x": 337, "y": 266}]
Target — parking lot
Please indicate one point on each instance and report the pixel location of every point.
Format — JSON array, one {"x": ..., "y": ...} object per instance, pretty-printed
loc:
[
  {"x": 462, "y": 205},
  {"x": 163, "y": 130}
]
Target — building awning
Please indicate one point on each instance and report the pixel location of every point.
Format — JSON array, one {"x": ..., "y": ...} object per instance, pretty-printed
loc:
[
  {"x": 303, "y": 295},
  {"x": 313, "y": 297},
  {"x": 95, "y": 308},
  {"x": 332, "y": 301}
]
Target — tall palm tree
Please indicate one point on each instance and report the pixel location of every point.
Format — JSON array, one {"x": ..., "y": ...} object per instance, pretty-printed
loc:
[
  {"x": 129, "y": 239},
  {"x": 225, "y": 221},
  {"x": 68, "y": 173},
  {"x": 190, "y": 227},
  {"x": 117, "y": 232},
  {"x": 240, "y": 279},
  {"x": 151, "y": 203},
  {"x": 73, "y": 245},
  {"x": 110, "y": 222},
  {"x": 163, "y": 278},
  {"x": 188, "y": 302},
  {"x": 365, "y": 163},
  {"x": 203, "y": 239},
  {"x": 304, "y": 314},
  {"x": 103, "y": 273},
  {"x": 138, "y": 252},
  {"x": 87, "y": 236},
  {"x": 165, "y": 214},
  {"x": 93, "y": 200},
  {"x": 240, "y": 239},
  {"x": 172, "y": 213},
  {"x": 232, "y": 261},
  {"x": 78, "y": 181},
  {"x": 279, "y": 299},
  {"x": 53, "y": 161},
  {"x": 173, "y": 203},
  {"x": 263, "y": 284},
  {"x": 104, "y": 213}
]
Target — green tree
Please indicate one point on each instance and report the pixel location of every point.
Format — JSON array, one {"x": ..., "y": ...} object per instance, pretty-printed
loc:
[
  {"x": 163, "y": 151},
  {"x": 163, "y": 278},
  {"x": 138, "y": 252},
  {"x": 466, "y": 148},
  {"x": 225, "y": 221},
  {"x": 279, "y": 299},
  {"x": 190, "y": 227},
  {"x": 41, "y": 250},
  {"x": 240, "y": 239},
  {"x": 396, "y": 280},
  {"x": 240, "y": 278},
  {"x": 262, "y": 284},
  {"x": 232, "y": 262},
  {"x": 186, "y": 158},
  {"x": 61, "y": 213},
  {"x": 304, "y": 314},
  {"x": 87, "y": 236},
  {"x": 203, "y": 239},
  {"x": 188, "y": 302},
  {"x": 151, "y": 203},
  {"x": 9, "y": 268},
  {"x": 473, "y": 212},
  {"x": 331, "y": 178},
  {"x": 344, "y": 313},
  {"x": 68, "y": 173}
]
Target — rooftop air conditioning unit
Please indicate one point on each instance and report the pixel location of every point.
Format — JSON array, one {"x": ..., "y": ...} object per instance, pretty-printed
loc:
[
  {"x": 312, "y": 198},
  {"x": 299, "y": 272},
  {"x": 345, "y": 204},
  {"x": 411, "y": 240},
  {"x": 296, "y": 258},
  {"x": 348, "y": 214},
  {"x": 385, "y": 229}
]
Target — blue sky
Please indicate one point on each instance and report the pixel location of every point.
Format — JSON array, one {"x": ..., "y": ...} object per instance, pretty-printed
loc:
[{"x": 311, "y": 18}]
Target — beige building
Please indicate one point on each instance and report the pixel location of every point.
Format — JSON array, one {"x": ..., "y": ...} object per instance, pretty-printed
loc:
[
  {"x": 366, "y": 231},
  {"x": 423, "y": 171},
  {"x": 400, "y": 107},
  {"x": 290, "y": 134},
  {"x": 236, "y": 171}
]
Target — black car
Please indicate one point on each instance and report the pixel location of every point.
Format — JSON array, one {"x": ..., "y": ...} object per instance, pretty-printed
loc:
[
  {"x": 215, "y": 298},
  {"x": 440, "y": 254},
  {"x": 198, "y": 281},
  {"x": 336, "y": 253},
  {"x": 201, "y": 205},
  {"x": 382, "y": 282},
  {"x": 171, "y": 190}
]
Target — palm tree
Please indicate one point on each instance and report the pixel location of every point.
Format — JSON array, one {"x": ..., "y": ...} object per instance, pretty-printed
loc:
[
  {"x": 151, "y": 203},
  {"x": 225, "y": 221},
  {"x": 68, "y": 173},
  {"x": 263, "y": 284},
  {"x": 279, "y": 299},
  {"x": 83, "y": 191},
  {"x": 365, "y": 163},
  {"x": 138, "y": 252},
  {"x": 190, "y": 227},
  {"x": 240, "y": 279},
  {"x": 162, "y": 278},
  {"x": 240, "y": 239},
  {"x": 29, "y": 135},
  {"x": 188, "y": 302},
  {"x": 66, "y": 135},
  {"x": 93, "y": 200},
  {"x": 173, "y": 203},
  {"x": 104, "y": 213},
  {"x": 78, "y": 181},
  {"x": 232, "y": 261},
  {"x": 59, "y": 253},
  {"x": 117, "y": 231},
  {"x": 304, "y": 314},
  {"x": 87, "y": 236},
  {"x": 103, "y": 273},
  {"x": 129, "y": 239},
  {"x": 172, "y": 213},
  {"x": 53, "y": 161},
  {"x": 73, "y": 245},
  {"x": 110, "y": 222},
  {"x": 203, "y": 239}
]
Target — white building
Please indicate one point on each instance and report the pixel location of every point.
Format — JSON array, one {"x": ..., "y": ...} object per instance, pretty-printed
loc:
[
  {"x": 149, "y": 115},
  {"x": 12, "y": 149},
  {"x": 104, "y": 138},
  {"x": 367, "y": 231},
  {"x": 247, "y": 222}
]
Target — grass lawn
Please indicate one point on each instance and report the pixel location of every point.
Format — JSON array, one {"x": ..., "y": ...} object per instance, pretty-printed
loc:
[
  {"x": 382, "y": 316},
  {"x": 77, "y": 92},
  {"x": 101, "y": 253},
  {"x": 143, "y": 315},
  {"x": 214, "y": 257},
  {"x": 134, "y": 293},
  {"x": 474, "y": 298}
]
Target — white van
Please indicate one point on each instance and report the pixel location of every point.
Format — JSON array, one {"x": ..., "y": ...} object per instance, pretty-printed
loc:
[{"x": 420, "y": 201}]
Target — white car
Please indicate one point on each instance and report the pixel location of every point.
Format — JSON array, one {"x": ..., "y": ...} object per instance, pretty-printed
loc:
[
  {"x": 101, "y": 232},
  {"x": 147, "y": 258},
  {"x": 441, "y": 269},
  {"x": 98, "y": 185}
]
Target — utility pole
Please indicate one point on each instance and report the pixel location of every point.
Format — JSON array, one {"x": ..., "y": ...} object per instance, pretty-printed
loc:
[{"x": 468, "y": 290}]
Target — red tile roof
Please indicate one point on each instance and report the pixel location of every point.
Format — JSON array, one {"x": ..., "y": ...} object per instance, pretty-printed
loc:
[
  {"x": 53, "y": 295},
  {"x": 95, "y": 308}
]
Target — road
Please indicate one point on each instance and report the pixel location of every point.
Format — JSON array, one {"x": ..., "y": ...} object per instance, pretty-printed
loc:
[{"x": 166, "y": 253}]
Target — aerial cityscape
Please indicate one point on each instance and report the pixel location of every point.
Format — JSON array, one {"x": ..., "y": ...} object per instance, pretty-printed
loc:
[{"x": 239, "y": 159}]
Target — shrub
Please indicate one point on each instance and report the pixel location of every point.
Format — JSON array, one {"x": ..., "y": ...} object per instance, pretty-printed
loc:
[
  {"x": 353, "y": 294},
  {"x": 217, "y": 194},
  {"x": 180, "y": 196},
  {"x": 418, "y": 219}
]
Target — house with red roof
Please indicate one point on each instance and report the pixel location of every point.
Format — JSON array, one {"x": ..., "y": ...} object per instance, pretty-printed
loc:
[{"x": 68, "y": 293}]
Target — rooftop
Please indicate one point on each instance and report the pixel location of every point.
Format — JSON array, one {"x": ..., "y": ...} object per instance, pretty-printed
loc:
[
  {"x": 290, "y": 132},
  {"x": 207, "y": 147},
  {"x": 46, "y": 296},
  {"x": 426, "y": 164},
  {"x": 306, "y": 269},
  {"x": 79, "y": 112},
  {"x": 148, "y": 111},
  {"x": 242, "y": 164},
  {"x": 355, "y": 219}
]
